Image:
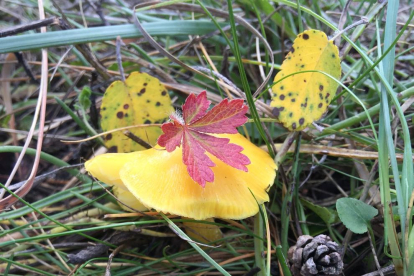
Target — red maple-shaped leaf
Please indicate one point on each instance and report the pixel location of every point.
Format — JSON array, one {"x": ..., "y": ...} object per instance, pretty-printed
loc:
[{"x": 191, "y": 130}]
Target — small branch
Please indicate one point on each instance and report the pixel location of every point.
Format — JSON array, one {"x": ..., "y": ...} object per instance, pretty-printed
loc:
[
  {"x": 108, "y": 266},
  {"x": 374, "y": 254},
  {"x": 23, "y": 62},
  {"x": 41, "y": 177},
  {"x": 363, "y": 20},
  {"x": 136, "y": 139},
  {"x": 383, "y": 270},
  {"x": 31, "y": 26}
]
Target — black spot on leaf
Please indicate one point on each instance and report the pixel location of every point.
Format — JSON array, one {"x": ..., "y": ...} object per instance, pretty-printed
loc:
[{"x": 276, "y": 112}]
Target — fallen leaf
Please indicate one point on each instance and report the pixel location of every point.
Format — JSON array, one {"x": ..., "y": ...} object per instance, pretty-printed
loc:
[
  {"x": 142, "y": 99},
  {"x": 190, "y": 130},
  {"x": 300, "y": 99}
]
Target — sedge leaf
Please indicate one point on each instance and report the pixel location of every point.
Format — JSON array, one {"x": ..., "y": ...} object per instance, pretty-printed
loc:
[{"x": 327, "y": 215}]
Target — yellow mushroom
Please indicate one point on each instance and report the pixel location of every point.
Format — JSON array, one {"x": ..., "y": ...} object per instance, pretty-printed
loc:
[
  {"x": 160, "y": 181},
  {"x": 128, "y": 201}
]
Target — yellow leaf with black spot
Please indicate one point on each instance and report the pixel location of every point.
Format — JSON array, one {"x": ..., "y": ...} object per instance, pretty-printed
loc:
[
  {"x": 142, "y": 99},
  {"x": 300, "y": 99}
]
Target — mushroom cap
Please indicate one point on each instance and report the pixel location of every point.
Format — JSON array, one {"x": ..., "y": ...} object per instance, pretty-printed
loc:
[
  {"x": 106, "y": 167},
  {"x": 128, "y": 201},
  {"x": 159, "y": 179}
]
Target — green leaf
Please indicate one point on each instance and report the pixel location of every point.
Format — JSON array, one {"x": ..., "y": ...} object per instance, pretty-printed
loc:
[
  {"x": 411, "y": 266},
  {"x": 411, "y": 247},
  {"x": 355, "y": 214},
  {"x": 327, "y": 215},
  {"x": 84, "y": 97},
  {"x": 75, "y": 36}
]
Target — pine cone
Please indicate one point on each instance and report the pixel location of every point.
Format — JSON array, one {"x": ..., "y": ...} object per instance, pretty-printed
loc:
[{"x": 315, "y": 256}]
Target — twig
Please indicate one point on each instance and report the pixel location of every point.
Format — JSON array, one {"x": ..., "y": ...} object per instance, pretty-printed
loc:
[
  {"x": 374, "y": 254},
  {"x": 99, "y": 249},
  {"x": 219, "y": 76},
  {"x": 30, "y": 26},
  {"x": 108, "y": 266},
  {"x": 99, "y": 12},
  {"x": 313, "y": 167},
  {"x": 60, "y": 61},
  {"x": 136, "y": 139},
  {"x": 88, "y": 54},
  {"x": 39, "y": 178},
  {"x": 383, "y": 270},
  {"x": 363, "y": 21},
  {"x": 342, "y": 19},
  {"x": 23, "y": 62}
]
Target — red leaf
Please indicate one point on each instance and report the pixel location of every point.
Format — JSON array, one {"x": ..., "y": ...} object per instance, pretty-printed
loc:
[
  {"x": 197, "y": 162},
  {"x": 172, "y": 136},
  {"x": 223, "y": 118},
  {"x": 223, "y": 150},
  {"x": 195, "y": 107},
  {"x": 190, "y": 131}
]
